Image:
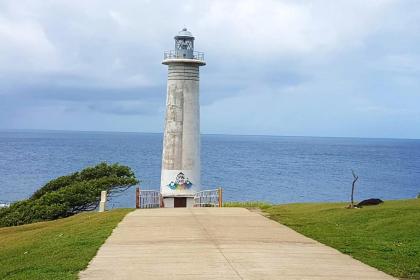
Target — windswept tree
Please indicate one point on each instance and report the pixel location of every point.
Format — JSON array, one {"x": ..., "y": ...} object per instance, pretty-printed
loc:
[
  {"x": 355, "y": 178},
  {"x": 70, "y": 194}
]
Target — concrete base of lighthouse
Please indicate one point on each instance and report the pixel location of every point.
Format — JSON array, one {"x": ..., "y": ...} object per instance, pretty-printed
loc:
[{"x": 178, "y": 201}]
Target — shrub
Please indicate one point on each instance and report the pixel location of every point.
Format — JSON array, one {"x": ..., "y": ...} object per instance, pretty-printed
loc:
[{"x": 68, "y": 195}]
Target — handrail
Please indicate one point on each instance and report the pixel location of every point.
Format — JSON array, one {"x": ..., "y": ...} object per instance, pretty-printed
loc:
[
  {"x": 204, "y": 198},
  {"x": 209, "y": 198},
  {"x": 148, "y": 198},
  {"x": 174, "y": 54}
]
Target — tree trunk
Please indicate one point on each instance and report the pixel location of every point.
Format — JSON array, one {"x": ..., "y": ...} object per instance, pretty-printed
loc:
[{"x": 355, "y": 178}]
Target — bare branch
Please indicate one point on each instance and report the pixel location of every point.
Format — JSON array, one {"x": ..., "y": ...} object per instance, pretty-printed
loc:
[{"x": 355, "y": 178}]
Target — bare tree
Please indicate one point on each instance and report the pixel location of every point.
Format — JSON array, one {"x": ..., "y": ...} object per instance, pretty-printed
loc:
[{"x": 355, "y": 178}]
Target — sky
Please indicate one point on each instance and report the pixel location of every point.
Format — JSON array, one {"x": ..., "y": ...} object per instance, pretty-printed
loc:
[{"x": 295, "y": 68}]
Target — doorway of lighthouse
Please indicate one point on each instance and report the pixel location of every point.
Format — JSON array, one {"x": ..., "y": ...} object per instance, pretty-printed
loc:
[{"x": 180, "y": 202}]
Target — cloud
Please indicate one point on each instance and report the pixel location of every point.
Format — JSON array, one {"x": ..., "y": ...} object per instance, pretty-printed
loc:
[
  {"x": 285, "y": 66},
  {"x": 267, "y": 28},
  {"x": 400, "y": 63},
  {"x": 25, "y": 46},
  {"x": 137, "y": 107}
]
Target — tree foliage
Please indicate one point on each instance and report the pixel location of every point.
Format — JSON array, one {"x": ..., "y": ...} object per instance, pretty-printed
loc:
[{"x": 68, "y": 195}]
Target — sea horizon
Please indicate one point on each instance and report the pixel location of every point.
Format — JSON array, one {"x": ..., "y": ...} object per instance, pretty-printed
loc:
[
  {"x": 209, "y": 134},
  {"x": 271, "y": 168}
]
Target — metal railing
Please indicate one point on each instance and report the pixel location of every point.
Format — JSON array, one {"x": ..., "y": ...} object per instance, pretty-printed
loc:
[
  {"x": 148, "y": 199},
  {"x": 208, "y": 198},
  {"x": 153, "y": 199},
  {"x": 174, "y": 54}
]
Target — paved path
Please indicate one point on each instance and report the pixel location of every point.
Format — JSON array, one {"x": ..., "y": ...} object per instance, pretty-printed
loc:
[{"x": 217, "y": 243}]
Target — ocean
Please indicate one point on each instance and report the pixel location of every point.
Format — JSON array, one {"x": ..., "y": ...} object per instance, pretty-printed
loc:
[{"x": 266, "y": 168}]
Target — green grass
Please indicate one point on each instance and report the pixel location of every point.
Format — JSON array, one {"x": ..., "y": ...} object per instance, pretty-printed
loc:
[
  {"x": 57, "y": 249},
  {"x": 247, "y": 204},
  {"x": 386, "y": 236}
]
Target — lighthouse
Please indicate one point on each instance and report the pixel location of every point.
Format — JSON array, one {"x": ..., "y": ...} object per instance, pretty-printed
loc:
[{"x": 180, "y": 176}]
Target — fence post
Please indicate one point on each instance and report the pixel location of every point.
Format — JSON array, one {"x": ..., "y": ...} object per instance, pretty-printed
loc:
[
  {"x": 102, "y": 203},
  {"x": 220, "y": 197},
  {"x": 137, "y": 197},
  {"x": 161, "y": 205}
]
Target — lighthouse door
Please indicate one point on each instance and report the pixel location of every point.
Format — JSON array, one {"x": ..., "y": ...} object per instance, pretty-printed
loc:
[{"x": 180, "y": 202}]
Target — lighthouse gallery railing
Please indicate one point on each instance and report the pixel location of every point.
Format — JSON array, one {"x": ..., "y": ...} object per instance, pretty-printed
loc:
[
  {"x": 208, "y": 198},
  {"x": 174, "y": 54}
]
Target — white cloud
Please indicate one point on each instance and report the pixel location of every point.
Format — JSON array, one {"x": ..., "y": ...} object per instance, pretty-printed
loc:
[
  {"x": 25, "y": 46},
  {"x": 264, "y": 55},
  {"x": 290, "y": 27},
  {"x": 87, "y": 36}
]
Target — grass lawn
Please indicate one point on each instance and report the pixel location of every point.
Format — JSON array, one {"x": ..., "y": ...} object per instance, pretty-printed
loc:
[
  {"x": 56, "y": 249},
  {"x": 386, "y": 236}
]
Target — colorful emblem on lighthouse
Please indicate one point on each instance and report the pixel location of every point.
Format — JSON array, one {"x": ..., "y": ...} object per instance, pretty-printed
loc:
[{"x": 181, "y": 183}]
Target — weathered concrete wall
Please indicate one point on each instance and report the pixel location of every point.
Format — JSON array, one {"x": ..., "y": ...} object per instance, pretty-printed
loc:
[
  {"x": 168, "y": 202},
  {"x": 181, "y": 146},
  {"x": 190, "y": 202}
]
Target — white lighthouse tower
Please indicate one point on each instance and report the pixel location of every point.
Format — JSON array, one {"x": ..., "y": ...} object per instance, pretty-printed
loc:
[{"x": 180, "y": 177}]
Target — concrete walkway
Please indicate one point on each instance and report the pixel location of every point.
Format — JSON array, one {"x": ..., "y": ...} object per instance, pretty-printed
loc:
[{"x": 217, "y": 243}]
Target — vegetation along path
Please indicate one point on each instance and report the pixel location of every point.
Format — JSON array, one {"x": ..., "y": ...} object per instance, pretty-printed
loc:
[
  {"x": 217, "y": 243},
  {"x": 56, "y": 249},
  {"x": 385, "y": 236}
]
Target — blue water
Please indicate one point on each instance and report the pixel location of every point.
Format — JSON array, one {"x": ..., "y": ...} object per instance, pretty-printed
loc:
[{"x": 274, "y": 169}]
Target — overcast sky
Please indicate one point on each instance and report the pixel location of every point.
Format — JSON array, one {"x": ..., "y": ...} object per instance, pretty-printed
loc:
[{"x": 318, "y": 68}]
